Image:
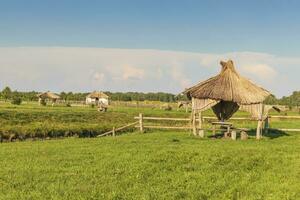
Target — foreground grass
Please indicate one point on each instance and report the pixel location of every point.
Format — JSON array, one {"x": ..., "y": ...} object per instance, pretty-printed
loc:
[{"x": 161, "y": 165}]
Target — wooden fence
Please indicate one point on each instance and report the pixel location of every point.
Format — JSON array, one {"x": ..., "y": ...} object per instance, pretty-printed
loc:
[
  {"x": 141, "y": 126},
  {"x": 200, "y": 119}
]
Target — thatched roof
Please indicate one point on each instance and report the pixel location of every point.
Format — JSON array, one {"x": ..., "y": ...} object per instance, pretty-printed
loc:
[
  {"x": 97, "y": 94},
  {"x": 228, "y": 86},
  {"x": 48, "y": 95}
]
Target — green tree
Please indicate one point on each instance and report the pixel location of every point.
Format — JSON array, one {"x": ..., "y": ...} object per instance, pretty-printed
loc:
[{"x": 6, "y": 93}]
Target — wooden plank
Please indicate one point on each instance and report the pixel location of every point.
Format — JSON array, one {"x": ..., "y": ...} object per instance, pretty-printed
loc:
[
  {"x": 167, "y": 127},
  {"x": 287, "y": 129},
  {"x": 284, "y": 117},
  {"x": 165, "y": 118},
  {"x": 118, "y": 129}
]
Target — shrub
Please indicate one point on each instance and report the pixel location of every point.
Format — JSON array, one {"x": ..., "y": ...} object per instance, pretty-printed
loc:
[
  {"x": 43, "y": 102},
  {"x": 16, "y": 101},
  {"x": 68, "y": 105}
]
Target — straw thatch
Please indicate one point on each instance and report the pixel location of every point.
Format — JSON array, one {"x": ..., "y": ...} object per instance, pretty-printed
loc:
[
  {"x": 48, "y": 95},
  {"x": 229, "y": 86},
  {"x": 97, "y": 94}
]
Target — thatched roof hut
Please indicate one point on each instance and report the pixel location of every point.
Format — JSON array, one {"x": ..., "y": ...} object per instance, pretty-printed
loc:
[
  {"x": 97, "y": 97},
  {"x": 229, "y": 86},
  {"x": 226, "y": 93},
  {"x": 97, "y": 94},
  {"x": 48, "y": 95}
]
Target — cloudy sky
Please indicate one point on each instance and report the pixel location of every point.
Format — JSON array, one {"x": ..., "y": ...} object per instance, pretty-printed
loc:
[{"x": 64, "y": 45}]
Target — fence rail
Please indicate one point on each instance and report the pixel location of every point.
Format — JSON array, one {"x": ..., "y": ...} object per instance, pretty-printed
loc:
[
  {"x": 141, "y": 126},
  {"x": 142, "y": 118},
  {"x": 114, "y": 130}
]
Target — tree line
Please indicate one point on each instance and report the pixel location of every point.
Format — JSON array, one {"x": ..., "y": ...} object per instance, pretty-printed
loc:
[{"x": 7, "y": 94}]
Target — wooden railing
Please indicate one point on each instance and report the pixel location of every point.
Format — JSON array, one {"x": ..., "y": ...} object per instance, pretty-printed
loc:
[
  {"x": 114, "y": 130},
  {"x": 140, "y": 124}
]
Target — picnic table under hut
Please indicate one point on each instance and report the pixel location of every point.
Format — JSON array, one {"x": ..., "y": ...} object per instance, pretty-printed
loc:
[{"x": 226, "y": 93}]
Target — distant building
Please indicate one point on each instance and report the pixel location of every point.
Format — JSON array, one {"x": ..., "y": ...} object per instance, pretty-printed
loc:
[
  {"x": 97, "y": 98},
  {"x": 43, "y": 97}
]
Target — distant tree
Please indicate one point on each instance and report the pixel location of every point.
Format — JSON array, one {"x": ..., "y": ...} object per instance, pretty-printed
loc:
[
  {"x": 16, "y": 100},
  {"x": 6, "y": 93}
]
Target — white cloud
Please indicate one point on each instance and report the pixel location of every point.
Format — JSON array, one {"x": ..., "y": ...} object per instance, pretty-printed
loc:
[
  {"x": 99, "y": 76},
  {"x": 132, "y": 73},
  {"x": 86, "y": 69},
  {"x": 262, "y": 71}
]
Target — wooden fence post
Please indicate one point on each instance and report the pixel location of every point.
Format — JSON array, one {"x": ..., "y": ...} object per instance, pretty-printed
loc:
[
  {"x": 141, "y": 123},
  {"x": 114, "y": 132}
]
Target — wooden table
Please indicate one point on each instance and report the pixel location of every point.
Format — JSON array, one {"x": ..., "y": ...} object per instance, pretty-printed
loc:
[{"x": 226, "y": 124}]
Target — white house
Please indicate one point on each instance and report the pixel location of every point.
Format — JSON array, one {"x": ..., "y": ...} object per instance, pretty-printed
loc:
[{"x": 97, "y": 98}]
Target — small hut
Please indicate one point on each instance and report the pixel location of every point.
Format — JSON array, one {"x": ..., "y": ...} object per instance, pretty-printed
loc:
[
  {"x": 43, "y": 97},
  {"x": 226, "y": 93},
  {"x": 97, "y": 98}
]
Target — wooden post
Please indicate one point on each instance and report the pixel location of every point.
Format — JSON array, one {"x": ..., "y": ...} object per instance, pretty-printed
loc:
[
  {"x": 194, "y": 123},
  {"x": 200, "y": 120},
  {"x": 244, "y": 135},
  {"x": 201, "y": 133},
  {"x": 114, "y": 132},
  {"x": 259, "y": 129},
  {"x": 141, "y": 123},
  {"x": 214, "y": 130},
  {"x": 233, "y": 135},
  {"x": 267, "y": 124}
]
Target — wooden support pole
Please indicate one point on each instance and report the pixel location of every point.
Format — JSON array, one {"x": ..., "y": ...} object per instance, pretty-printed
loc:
[
  {"x": 201, "y": 131},
  {"x": 267, "y": 124},
  {"x": 200, "y": 120},
  {"x": 141, "y": 123},
  {"x": 259, "y": 130},
  {"x": 194, "y": 123}
]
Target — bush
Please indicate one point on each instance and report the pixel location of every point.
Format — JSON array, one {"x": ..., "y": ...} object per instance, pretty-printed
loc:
[
  {"x": 16, "y": 101},
  {"x": 43, "y": 102},
  {"x": 68, "y": 105}
]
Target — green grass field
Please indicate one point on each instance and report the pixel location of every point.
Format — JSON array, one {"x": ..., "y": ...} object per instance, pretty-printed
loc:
[
  {"x": 160, "y": 165},
  {"x": 154, "y": 165}
]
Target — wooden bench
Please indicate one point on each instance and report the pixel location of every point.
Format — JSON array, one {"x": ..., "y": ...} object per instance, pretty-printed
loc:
[{"x": 228, "y": 126}]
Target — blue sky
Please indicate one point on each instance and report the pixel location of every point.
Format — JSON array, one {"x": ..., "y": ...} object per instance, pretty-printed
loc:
[{"x": 215, "y": 28}]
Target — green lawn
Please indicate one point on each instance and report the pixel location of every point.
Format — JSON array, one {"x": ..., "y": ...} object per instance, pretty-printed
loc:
[{"x": 155, "y": 165}]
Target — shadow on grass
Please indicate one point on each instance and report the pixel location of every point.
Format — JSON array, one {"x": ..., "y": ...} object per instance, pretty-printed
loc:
[{"x": 271, "y": 134}]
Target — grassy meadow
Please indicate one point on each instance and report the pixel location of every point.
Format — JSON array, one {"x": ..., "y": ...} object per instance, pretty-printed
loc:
[{"x": 153, "y": 165}]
